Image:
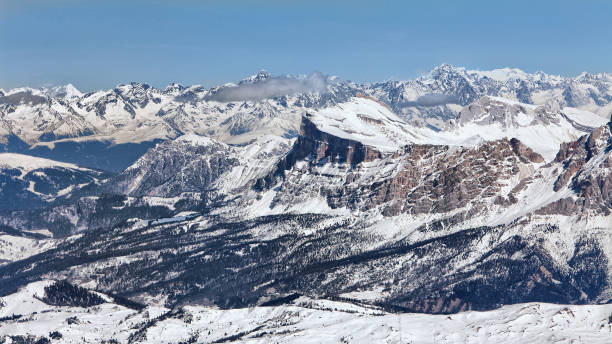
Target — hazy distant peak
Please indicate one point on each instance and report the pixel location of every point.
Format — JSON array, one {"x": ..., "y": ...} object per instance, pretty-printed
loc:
[
  {"x": 65, "y": 91},
  {"x": 261, "y": 76}
]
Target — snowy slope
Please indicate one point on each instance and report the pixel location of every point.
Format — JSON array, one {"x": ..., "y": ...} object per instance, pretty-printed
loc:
[
  {"x": 27, "y": 163},
  {"x": 65, "y": 91},
  {"x": 17, "y": 247},
  {"x": 302, "y": 321},
  {"x": 369, "y": 122}
]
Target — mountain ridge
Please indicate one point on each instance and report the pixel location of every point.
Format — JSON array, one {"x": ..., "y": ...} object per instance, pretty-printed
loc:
[{"x": 38, "y": 122}]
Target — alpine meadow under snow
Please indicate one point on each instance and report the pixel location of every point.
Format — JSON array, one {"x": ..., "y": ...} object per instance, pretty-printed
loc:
[{"x": 463, "y": 206}]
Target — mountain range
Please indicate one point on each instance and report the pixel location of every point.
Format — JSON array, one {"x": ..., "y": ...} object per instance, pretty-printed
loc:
[
  {"x": 459, "y": 192},
  {"x": 109, "y": 129}
]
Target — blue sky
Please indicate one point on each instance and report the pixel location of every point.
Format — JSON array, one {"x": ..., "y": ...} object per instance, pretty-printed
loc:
[{"x": 98, "y": 44}]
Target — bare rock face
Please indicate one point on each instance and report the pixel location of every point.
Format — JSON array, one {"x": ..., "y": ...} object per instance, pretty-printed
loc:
[
  {"x": 596, "y": 189},
  {"x": 417, "y": 179},
  {"x": 331, "y": 148},
  {"x": 586, "y": 168},
  {"x": 320, "y": 147},
  {"x": 593, "y": 184},
  {"x": 525, "y": 153},
  {"x": 573, "y": 156},
  {"x": 438, "y": 179}
]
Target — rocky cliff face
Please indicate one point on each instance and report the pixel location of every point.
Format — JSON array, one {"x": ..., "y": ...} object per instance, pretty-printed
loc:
[
  {"x": 418, "y": 179},
  {"x": 319, "y": 148},
  {"x": 586, "y": 170}
]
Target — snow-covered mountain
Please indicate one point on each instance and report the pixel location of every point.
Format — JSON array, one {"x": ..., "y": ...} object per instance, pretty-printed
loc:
[
  {"x": 457, "y": 192},
  {"x": 360, "y": 190},
  {"x": 374, "y": 124},
  {"x": 194, "y": 163},
  {"x": 440, "y": 94},
  {"x": 538, "y": 127}
]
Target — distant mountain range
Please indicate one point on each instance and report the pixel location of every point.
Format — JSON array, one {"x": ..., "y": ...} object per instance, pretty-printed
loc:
[{"x": 109, "y": 129}]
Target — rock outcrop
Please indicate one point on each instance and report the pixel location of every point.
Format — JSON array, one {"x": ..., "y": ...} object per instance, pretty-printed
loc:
[{"x": 585, "y": 168}]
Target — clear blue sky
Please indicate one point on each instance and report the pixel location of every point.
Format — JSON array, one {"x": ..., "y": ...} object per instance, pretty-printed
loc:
[{"x": 98, "y": 44}]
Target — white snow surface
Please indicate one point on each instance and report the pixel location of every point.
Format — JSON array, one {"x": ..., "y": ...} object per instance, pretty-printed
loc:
[
  {"x": 13, "y": 248},
  {"x": 303, "y": 321},
  {"x": 502, "y": 74},
  {"x": 366, "y": 121},
  {"x": 67, "y": 91},
  {"x": 28, "y": 163},
  {"x": 585, "y": 117}
]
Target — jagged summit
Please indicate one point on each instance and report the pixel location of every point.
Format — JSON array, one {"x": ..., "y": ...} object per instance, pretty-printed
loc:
[
  {"x": 260, "y": 76},
  {"x": 499, "y": 74},
  {"x": 174, "y": 89},
  {"x": 444, "y": 68}
]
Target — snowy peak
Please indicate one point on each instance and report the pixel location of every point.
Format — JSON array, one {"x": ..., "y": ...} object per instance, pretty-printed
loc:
[
  {"x": 190, "y": 163},
  {"x": 590, "y": 77},
  {"x": 66, "y": 91},
  {"x": 364, "y": 120},
  {"x": 261, "y": 76},
  {"x": 443, "y": 69},
  {"x": 30, "y": 90},
  {"x": 33, "y": 96},
  {"x": 174, "y": 89},
  {"x": 25, "y": 96},
  {"x": 503, "y": 74}
]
